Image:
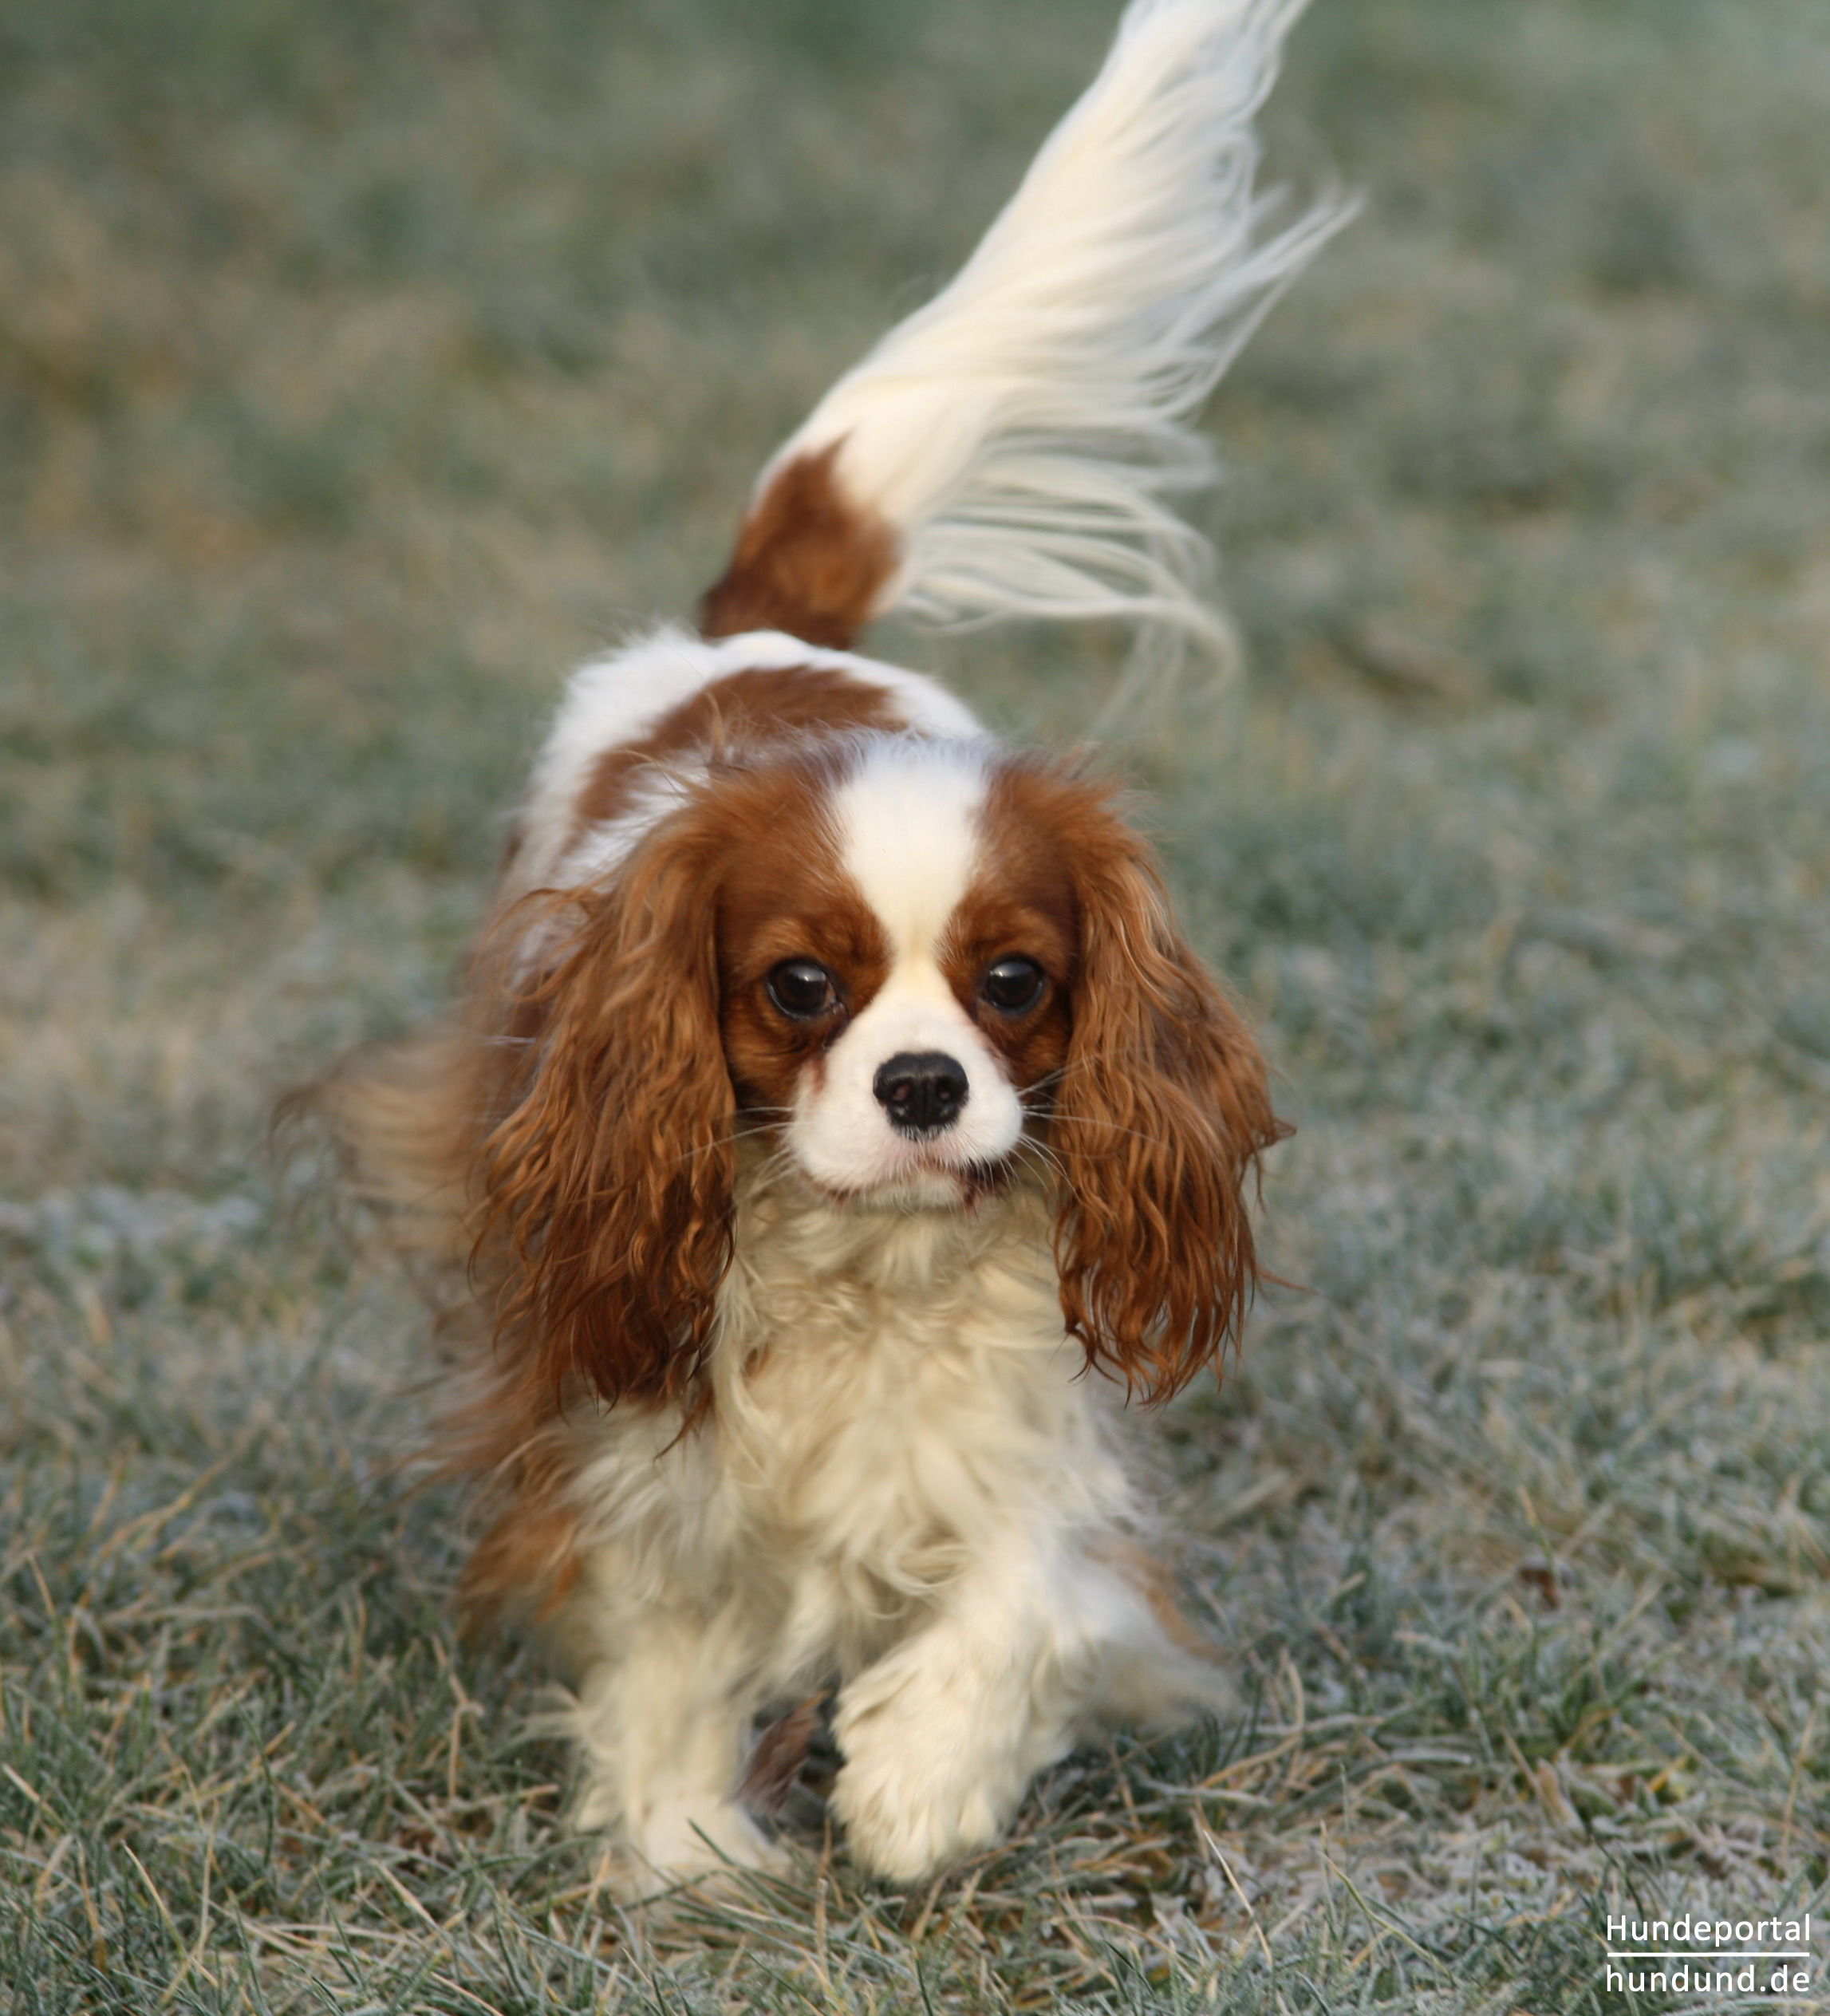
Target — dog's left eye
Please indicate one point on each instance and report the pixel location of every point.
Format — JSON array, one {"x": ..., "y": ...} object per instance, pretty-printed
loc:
[
  {"x": 802, "y": 989},
  {"x": 1013, "y": 984}
]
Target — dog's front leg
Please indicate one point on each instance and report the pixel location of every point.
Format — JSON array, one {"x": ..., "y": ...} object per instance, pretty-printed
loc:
[
  {"x": 664, "y": 1718},
  {"x": 941, "y": 1735}
]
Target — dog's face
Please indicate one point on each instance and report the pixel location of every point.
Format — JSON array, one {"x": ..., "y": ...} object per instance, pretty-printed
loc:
[
  {"x": 897, "y": 977},
  {"x": 913, "y": 967}
]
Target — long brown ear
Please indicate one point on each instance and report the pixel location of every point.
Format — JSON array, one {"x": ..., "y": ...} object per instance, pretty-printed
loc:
[
  {"x": 1165, "y": 1110},
  {"x": 604, "y": 1211}
]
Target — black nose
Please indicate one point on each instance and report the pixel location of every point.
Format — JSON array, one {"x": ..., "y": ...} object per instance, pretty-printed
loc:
[{"x": 921, "y": 1093}]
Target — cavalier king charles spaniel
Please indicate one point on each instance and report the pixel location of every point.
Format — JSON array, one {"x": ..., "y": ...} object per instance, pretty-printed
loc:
[{"x": 838, "y": 1130}]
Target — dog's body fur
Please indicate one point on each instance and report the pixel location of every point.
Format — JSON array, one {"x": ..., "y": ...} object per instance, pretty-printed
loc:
[{"x": 837, "y": 1128}]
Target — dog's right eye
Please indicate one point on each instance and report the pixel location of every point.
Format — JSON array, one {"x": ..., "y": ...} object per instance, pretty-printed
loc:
[{"x": 802, "y": 989}]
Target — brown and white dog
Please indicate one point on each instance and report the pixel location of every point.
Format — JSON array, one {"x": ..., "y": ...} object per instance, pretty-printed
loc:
[{"x": 839, "y": 1129}]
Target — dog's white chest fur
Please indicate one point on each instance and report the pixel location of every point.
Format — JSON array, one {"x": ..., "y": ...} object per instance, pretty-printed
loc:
[{"x": 894, "y": 1396}]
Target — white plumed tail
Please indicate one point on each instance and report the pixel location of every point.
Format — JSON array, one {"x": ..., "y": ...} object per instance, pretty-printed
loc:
[{"x": 1016, "y": 438}]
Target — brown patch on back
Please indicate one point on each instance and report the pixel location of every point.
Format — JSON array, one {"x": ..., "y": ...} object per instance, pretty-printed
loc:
[
  {"x": 760, "y": 705},
  {"x": 809, "y": 560}
]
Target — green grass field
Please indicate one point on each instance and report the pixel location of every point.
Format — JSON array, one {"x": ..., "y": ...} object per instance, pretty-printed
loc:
[{"x": 362, "y": 365}]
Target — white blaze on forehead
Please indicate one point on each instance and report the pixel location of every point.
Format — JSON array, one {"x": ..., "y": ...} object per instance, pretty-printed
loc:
[{"x": 908, "y": 822}]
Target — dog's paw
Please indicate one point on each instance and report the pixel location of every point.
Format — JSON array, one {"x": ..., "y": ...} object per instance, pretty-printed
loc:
[
  {"x": 926, "y": 1779},
  {"x": 904, "y": 1822},
  {"x": 687, "y": 1840}
]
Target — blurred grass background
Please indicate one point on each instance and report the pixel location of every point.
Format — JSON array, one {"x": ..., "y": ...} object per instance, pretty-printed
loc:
[{"x": 363, "y": 365}]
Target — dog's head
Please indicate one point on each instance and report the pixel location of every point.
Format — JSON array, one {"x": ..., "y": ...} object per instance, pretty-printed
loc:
[{"x": 921, "y": 969}]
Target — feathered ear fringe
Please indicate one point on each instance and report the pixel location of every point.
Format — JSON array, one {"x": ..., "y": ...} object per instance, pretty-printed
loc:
[
  {"x": 1019, "y": 435},
  {"x": 603, "y": 1214},
  {"x": 1168, "y": 1109}
]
